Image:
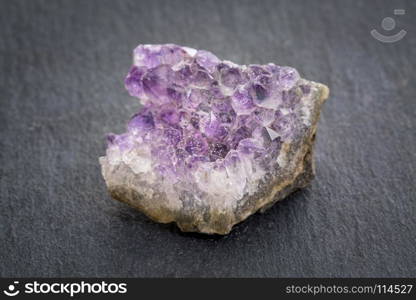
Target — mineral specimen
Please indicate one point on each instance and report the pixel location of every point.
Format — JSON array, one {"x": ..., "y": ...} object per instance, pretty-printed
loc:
[{"x": 214, "y": 142}]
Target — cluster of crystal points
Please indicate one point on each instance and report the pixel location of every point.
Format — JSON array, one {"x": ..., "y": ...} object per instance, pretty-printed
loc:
[
  {"x": 213, "y": 142},
  {"x": 207, "y": 125}
]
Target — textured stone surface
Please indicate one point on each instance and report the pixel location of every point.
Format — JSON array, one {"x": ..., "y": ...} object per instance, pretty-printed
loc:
[
  {"x": 214, "y": 141},
  {"x": 62, "y": 91}
]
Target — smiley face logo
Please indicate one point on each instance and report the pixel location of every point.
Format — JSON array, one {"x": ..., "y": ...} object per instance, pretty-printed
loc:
[
  {"x": 389, "y": 24},
  {"x": 11, "y": 289}
]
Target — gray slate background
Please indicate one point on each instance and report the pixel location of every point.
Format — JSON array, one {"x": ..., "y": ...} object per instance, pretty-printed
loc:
[{"x": 62, "y": 65}]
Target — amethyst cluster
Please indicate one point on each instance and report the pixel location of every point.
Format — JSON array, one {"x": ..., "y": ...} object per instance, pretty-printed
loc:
[
  {"x": 199, "y": 110},
  {"x": 213, "y": 139}
]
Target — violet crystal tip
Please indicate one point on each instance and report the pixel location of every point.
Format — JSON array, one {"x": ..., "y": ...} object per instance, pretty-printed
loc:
[{"x": 214, "y": 142}]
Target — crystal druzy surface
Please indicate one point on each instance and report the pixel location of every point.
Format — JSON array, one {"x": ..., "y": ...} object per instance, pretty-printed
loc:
[{"x": 210, "y": 133}]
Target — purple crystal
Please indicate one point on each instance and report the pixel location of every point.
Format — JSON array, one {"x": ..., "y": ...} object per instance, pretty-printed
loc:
[
  {"x": 196, "y": 145},
  {"x": 207, "y": 60},
  {"x": 141, "y": 122},
  {"x": 213, "y": 142},
  {"x": 198, "y": 110}
]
